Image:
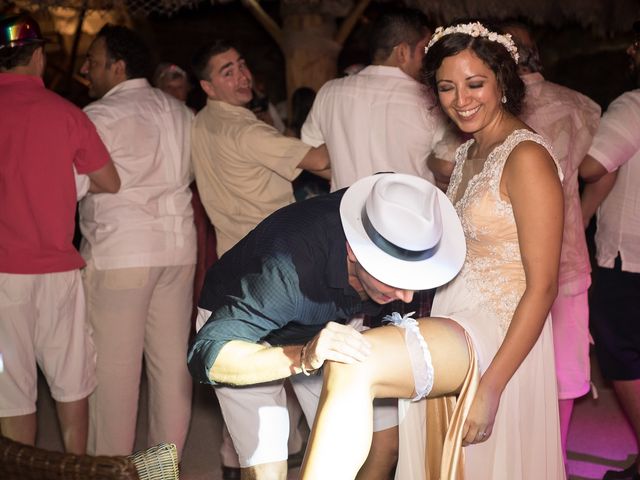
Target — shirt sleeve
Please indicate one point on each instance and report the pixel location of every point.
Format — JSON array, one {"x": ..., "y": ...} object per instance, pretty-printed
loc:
[
  {"x": 82, "y": 184},
  {"x": 263, "y": 144},
  {"x": 91, "y": 154},
  {"x": 311, "y": 132},
  {"x": 259, "y": 303},
  {"x": 617, "y": 138},
  {"x": 445, "y": 148},
  {"x": 586, "y": 119}
]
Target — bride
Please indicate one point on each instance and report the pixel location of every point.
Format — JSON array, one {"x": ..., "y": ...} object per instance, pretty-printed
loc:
[{"x": 489, "y": 341}]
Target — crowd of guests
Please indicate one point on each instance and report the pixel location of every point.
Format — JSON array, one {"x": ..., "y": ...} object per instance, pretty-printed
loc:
[{"x": 484, "y": 204}]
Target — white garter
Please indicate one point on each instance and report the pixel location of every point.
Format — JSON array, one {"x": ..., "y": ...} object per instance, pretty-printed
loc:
[{"x": 419, "y": 354}]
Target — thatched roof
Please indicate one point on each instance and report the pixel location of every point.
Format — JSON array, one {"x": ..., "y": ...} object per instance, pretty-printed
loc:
[
  {"x": 602, "y": 16},
  {"x": 143, "y": 7}
]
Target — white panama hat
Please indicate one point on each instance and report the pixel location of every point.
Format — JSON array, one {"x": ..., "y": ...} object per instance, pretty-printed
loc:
[{"x": 403, "y": 230}]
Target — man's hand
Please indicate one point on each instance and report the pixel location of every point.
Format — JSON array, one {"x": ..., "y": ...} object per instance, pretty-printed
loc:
[
  {"x": 341, "y": 343},
  {"x": 246, "y": 363}
]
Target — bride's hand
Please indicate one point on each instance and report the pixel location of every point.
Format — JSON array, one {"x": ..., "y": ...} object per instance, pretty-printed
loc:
[{"x": 479, "y": 423}]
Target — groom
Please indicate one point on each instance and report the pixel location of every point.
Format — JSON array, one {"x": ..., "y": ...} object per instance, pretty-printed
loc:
[{"x": 275, "y": 304}]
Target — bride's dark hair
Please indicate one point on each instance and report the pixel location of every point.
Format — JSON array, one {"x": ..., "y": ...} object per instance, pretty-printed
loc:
[{"x": 492, "y": 53}]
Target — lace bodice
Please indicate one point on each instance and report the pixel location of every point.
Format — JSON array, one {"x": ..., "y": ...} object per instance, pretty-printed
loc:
[{"x": 493, "y": 267}]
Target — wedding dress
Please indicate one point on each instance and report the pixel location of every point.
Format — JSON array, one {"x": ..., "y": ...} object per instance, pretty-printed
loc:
[{"x": 525, "y": 442}]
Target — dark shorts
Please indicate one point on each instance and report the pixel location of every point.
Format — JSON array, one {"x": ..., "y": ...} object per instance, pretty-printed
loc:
[{"x": 615, "y": 322}]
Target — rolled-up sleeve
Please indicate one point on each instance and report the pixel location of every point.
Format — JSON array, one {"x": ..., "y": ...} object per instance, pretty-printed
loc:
[
  {"x": 617, "y": 138},
  {"x": 311, "y": 132},
  {"x": 248, "y": 309},
  {"x": 262, "y": 144}
]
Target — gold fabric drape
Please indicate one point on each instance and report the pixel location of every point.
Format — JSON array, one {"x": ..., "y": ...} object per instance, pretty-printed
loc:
[{"x": 431, "y": 431}]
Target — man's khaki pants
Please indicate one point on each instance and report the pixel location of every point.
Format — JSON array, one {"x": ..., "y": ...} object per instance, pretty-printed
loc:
[{"x": 135, "y": 312}]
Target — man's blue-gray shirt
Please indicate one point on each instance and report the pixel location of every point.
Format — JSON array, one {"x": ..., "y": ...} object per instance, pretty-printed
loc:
[{"x": 281, "y": 284}]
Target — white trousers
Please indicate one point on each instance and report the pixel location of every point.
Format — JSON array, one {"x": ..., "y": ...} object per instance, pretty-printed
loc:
[
  {"x": 138, "y": 312},
  {"x": 258, "y": 420}
]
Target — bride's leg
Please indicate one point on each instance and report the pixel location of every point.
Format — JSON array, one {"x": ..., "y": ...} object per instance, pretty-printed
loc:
[{"x": 342, "y": 431}]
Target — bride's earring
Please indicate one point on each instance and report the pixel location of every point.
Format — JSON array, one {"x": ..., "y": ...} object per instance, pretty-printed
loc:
[{"x": 504, "y": 99}]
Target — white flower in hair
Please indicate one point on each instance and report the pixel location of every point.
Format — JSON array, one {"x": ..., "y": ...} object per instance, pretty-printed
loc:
[{"x": 476, "y": 29}]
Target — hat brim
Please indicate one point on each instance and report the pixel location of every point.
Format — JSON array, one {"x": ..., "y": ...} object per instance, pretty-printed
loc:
[
  {"x": 431, "y": 272},
  {"x": 24, "y": 42}
]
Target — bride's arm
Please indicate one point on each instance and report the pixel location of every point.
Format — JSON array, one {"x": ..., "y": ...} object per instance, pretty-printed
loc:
[{"x": 530, "y": 181}]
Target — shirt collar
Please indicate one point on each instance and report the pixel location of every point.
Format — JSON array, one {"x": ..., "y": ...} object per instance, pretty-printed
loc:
[
  {"x": 384, "y": 70},
  {"x": 8, "y": 78},
  {"x": 128, "y": 85},
  {"x": 227, "y": 107},
  {"x": 531, "y": 78}
]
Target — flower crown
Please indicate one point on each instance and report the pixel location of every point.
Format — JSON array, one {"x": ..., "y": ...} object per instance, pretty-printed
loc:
[{"x": 476, "y": 29}]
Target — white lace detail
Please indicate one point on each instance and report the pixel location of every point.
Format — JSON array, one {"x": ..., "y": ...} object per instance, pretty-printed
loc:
[
  {"x": 493, "y": 267},
  {"x": 421, "y": 364}
]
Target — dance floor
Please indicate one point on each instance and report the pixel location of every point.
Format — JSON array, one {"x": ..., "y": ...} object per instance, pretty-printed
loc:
[{"x": 599, "y": 439}]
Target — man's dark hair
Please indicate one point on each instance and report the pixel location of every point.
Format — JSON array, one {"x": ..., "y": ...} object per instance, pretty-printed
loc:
[
  {"x": 395, "y": 26},
  {"x": 11, "y": 58},
  {"x": 200, "y": 62},
  {"x": 529, "y": 54},
  {"x": 301, "y": 103},
  {"x": 124, "y": 44}
]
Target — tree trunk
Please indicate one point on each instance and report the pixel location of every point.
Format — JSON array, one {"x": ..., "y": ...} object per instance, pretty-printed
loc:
[
  {"x": 309, "y": 37},
  {"x": 310, "y": 51}
]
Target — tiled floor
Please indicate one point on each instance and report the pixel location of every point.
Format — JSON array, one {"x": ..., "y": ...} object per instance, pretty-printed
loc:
[{"x": 599, "y": 438}]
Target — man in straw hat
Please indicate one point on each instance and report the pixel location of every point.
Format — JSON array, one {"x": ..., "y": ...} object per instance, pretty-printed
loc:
[
  {"x": 274, "y": 306},
  {"x": 43, "y": 138}
]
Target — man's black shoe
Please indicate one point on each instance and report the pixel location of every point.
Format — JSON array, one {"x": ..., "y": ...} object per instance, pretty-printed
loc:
[
  {"x": 230, "y": 473},
  {"x": 295, "y": 459},
  {"x": 629, "y": 473}
]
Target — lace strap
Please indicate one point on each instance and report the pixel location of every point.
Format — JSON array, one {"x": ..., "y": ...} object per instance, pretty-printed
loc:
[
  {"x": 518, "y": 136},
  {"x": 456, "y": 175}
]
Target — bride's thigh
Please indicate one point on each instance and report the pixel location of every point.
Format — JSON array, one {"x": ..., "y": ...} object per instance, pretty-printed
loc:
[
  {"x": 449, "y": 351},
  {"x": 390, "y": 364}
]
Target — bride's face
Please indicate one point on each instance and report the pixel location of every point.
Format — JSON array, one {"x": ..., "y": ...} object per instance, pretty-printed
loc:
[{"x": 469, "y": 92}]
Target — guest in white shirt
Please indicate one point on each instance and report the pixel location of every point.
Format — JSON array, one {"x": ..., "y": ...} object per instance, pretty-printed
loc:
[
  {"x": 140, "y": 248},
  {"x": 615, "y": 307},
  {"x": 382, "y": 118}
]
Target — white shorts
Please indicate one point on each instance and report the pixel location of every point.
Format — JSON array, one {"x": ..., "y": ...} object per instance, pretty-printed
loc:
[
  {"x": 42, "y": 320},
  {"x": 258, "y": 422},
  {"x": 570, "y": 320}
]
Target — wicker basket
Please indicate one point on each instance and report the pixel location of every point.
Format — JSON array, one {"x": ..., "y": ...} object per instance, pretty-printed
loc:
[
  {"x": 157, "y": 463},
  {"x": 23, "y": 462}
]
